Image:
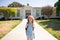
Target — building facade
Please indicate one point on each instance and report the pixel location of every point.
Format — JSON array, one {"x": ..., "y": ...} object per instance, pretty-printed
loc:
[{"x": 24, "y": 12}]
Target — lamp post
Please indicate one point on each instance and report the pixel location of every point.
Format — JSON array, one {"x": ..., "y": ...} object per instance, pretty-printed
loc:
[{"x": 28, "y": 2}]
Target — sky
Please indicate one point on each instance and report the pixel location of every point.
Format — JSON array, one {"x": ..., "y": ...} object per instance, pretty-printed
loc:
[{"x": 34, "y": 3}]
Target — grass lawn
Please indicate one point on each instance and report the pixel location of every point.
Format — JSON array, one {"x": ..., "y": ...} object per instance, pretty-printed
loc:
[
  {"x": 52, "y": 26},
  {"x": 6, "y": 26}
]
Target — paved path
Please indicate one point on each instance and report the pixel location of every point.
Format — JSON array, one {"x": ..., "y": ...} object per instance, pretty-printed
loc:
[{"x": 19, "y": 33}]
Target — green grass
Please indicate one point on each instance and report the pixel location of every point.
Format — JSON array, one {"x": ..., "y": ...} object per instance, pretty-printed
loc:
[
  {"x": 7, "y": 26},
  {"x": 52, "y": 26}
]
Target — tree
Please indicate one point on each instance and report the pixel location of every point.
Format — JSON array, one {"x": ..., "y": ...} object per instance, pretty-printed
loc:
[
  {"x": 47, "y": 11},
  {"x": 57, "y": 5},
  {"x": 15, "y": 4}
]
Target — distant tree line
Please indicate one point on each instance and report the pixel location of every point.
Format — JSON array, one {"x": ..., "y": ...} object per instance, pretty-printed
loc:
[
  {"x": 15, "y": 4},
  {"x": 47, "y": 10}
]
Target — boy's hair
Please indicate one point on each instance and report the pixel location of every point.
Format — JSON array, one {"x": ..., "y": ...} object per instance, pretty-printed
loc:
[{"x": 31, "y": 18}]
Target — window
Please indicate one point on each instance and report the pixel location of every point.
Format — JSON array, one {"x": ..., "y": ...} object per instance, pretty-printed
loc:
[
  {"x": 57, "y": 13},
  {"x": 13, "y": 15},
  {"x": 18, "y": 13},
  {"x": 28, "y": 12},
  {"x": 37, "y": 13},
  {"x": 0, "y": 13}
]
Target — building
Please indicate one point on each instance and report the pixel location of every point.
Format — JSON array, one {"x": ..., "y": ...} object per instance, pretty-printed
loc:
[{"x": 24, "y": 12}]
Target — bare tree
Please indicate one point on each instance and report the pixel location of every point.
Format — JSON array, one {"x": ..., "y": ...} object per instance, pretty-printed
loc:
[{"x": 48, "y": 10}]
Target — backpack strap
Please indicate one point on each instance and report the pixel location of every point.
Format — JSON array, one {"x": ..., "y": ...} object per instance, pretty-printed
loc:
[{"x": 27, "y": 25}]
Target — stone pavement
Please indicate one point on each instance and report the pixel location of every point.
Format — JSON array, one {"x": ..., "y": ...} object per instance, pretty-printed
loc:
[{"x": 19, "y": 33}]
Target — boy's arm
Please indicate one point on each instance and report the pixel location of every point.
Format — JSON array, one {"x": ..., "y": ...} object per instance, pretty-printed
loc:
[
  {"x": 33, "y": 26},
  {"x": 26, "y": 26}
]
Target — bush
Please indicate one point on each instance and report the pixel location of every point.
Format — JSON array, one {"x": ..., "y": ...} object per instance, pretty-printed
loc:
[{"x": 7, "y": 12}]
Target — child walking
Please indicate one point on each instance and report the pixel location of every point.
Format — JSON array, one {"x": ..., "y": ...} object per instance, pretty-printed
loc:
[{"x": 30, "y": 28}]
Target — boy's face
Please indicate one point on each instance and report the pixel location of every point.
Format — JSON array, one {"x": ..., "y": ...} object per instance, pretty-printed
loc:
[{"x": 30, "y": 19}]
